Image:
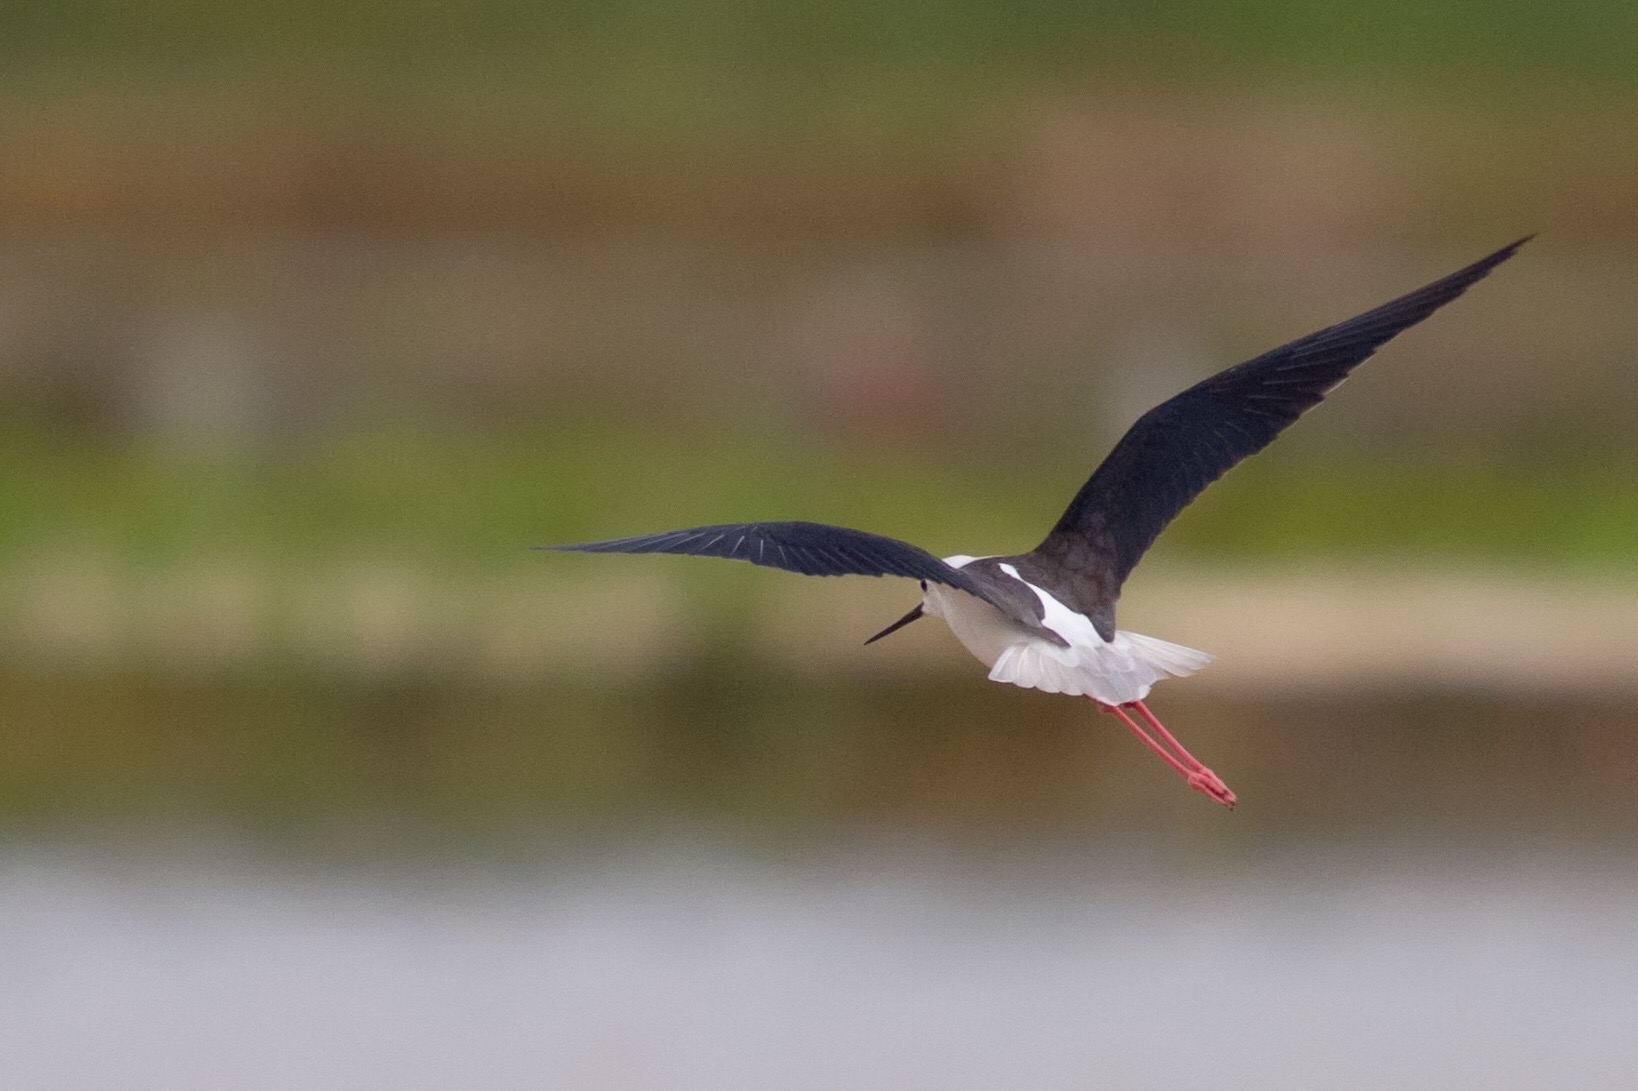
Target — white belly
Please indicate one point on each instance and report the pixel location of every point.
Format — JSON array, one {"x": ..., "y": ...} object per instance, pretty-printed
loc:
[
  {"x": 1112, "y": 671},
  {"x": 981, "y": 628}
]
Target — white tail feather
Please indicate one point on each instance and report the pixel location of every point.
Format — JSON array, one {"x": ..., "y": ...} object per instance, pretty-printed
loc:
[
  {"x": 1112, "y": 671},
  {"x": 1115, "y": 673}
]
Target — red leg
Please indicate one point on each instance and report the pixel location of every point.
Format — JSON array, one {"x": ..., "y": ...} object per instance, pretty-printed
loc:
[
  {"x": 1185, "y": 764},
  {"x": 1143, "y": 737},
  {"x": 1200, "y": 778}
]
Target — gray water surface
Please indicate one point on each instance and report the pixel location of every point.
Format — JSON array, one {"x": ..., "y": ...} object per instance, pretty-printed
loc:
[{"x": 699, "y": 966}]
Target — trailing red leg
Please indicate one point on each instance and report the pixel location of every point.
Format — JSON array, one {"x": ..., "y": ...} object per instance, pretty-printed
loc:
[{"x": 1185, "y": 764}]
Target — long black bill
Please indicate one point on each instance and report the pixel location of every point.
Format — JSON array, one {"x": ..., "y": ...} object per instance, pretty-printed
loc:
[{"x": 897, "y": 625}]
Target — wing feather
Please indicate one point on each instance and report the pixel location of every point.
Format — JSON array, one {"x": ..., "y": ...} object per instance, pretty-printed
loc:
[
  {"x": 813, "y": 549},
  {"x": 1182, "y": 445}
]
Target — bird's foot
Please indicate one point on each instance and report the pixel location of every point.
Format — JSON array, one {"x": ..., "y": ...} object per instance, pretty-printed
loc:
[{"x": 1209, "y": 784}]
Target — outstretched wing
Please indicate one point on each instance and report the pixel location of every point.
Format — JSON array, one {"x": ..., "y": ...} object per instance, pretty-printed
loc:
[
  {"x": 1179, "y": 447},
  {"x": 813, "y": 549}
]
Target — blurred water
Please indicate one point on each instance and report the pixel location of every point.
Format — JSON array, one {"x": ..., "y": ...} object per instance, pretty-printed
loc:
[{"x": 689, "y": 964}]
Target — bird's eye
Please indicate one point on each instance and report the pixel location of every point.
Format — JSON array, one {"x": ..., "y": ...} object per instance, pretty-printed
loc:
[{"x": 924, "y": 585}]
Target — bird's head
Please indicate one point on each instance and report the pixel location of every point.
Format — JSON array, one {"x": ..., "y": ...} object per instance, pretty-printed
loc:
[{"x": 928, "y": 605}]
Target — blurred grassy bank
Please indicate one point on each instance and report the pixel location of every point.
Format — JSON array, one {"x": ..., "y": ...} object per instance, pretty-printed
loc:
[
  {"x": 1194, "y": 123},
  {"x": 1582, "y": 37},
  {"x": 316, "y": 317},
  {"x": 351, "y": 642},
  {"x": 384, "y": 762},
  {"x": 478, "y": 501}
]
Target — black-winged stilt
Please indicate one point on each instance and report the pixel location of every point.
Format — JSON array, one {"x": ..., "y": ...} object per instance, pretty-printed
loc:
[{"x": 1046, "y": 619}]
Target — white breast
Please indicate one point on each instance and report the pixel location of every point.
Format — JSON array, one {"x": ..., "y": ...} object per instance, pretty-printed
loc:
[{"x": 1112, "y": 671}]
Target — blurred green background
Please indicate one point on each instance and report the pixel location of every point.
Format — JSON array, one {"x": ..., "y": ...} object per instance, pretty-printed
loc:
[{"x": 315, "y": 317}]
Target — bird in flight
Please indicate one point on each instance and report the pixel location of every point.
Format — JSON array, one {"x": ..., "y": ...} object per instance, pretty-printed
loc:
[{"x": 1046, "y": 619}]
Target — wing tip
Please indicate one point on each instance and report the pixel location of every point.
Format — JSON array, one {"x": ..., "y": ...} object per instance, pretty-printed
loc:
[
  {"x": 1507, "y": 251},
  {"x": 1456, "y": 284}
]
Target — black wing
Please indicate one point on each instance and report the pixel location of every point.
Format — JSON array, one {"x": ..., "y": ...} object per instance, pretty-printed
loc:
[
  {"x": 813, "y": 549},
  {"x": 1179, "y": 447}
]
